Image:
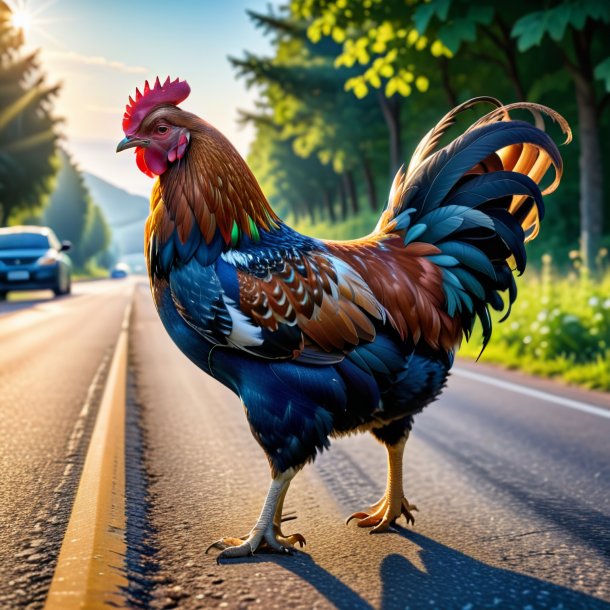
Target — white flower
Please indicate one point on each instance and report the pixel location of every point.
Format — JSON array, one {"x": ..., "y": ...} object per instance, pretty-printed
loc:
[
  {"x": 593, "y": 302},
  {"x": 527, "y": 340}
]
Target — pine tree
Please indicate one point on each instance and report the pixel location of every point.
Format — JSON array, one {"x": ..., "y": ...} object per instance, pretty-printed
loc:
[
  {"x": 68, "y": 207},
  {"x": 96, "y": 237},
  {"x": 27, "y": 126}
]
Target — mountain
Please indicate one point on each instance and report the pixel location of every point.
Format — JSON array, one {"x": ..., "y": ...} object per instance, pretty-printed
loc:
[{"x": 125, "y": 213}]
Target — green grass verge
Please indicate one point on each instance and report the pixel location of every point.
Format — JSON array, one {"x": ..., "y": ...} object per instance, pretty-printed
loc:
[{"x": 559, "y": 327}]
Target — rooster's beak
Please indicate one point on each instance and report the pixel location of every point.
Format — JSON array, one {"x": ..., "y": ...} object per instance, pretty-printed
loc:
[{"x": 131, "y": 143}]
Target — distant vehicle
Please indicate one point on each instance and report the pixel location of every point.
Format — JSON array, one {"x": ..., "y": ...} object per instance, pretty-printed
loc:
[
  {"x": 120, "y": 270},
  {"x": 32, "y": 258}
]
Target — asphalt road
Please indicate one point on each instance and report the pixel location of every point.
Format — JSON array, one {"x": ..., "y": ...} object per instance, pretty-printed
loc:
[
  {"x": 54, "y": 355},
  {"x": 513, "y": 493},
  {"x": 513, "y": 489}
]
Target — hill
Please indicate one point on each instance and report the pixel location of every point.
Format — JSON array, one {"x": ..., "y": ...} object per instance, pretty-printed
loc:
[{"x": 125, "y": 213}]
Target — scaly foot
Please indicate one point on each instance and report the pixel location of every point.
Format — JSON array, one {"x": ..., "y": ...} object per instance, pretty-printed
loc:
[
  {"x": 270, "y": 539},
  {"x": 383, "y": 513}
]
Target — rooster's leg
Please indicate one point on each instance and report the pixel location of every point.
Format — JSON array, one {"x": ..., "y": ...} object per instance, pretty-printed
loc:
[
  {"x": 292, "y": 539},
  {"x": 266, "y": 532},
  {"x": 393, "y": 503}
]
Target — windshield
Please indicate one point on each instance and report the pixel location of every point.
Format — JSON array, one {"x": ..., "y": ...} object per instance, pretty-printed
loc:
[{"x": 24, "y": 241}]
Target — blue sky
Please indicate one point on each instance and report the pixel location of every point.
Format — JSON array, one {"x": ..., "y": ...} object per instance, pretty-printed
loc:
[{"x": 101, "y": 51}]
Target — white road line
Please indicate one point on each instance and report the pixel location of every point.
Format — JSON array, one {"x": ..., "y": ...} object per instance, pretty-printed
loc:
[{"x": 519, "y": 389}]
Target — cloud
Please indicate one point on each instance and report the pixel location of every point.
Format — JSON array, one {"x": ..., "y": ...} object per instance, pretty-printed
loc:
[{"x": 93, "y": 60}]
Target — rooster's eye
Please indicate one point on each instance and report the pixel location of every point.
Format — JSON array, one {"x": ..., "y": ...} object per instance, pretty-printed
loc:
[{"x": 161, "y": 129}]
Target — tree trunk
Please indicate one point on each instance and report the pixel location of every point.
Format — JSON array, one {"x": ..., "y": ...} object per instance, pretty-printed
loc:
[
  {"x": 343, "y": 198},
  {"x": 446, "y": 82},
  {"x": 369, "y": 181},
  {"x": 350, "y": 189},
  {"x": 328, "y": 203},
  {"x": 310, "y": 210},
  {"x": 391, "y": 113},
  {"x": 590, "y": 160},
  {"x": 591, "y": 183},
  {"x": 509, "y": 47}
]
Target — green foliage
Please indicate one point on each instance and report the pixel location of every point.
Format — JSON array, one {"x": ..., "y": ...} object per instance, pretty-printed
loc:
[
  {"x": 554, "y": 21},
  {"x": 559, "y": 326},
  {"x": 455, "y": 31},
  {"x": 96, "y": 236},
  {"x": 72, "y": 215},
  {"x": 27, "y": 127},
  {"x": 352, "y": 228},
  {"x": 301, "y": 149},
  {"x": 602, "y": 72},
  {"x": 377, "y": 36}
]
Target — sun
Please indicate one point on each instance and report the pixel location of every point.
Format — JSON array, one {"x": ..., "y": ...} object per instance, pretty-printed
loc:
[{"x": 21, "y": 20}]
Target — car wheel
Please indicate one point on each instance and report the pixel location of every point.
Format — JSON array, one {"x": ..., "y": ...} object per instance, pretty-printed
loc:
[{"x": 57, "y": 289}]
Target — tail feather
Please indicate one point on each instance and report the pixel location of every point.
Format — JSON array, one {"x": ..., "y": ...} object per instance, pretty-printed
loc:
[{"x": 478, "y": 200}]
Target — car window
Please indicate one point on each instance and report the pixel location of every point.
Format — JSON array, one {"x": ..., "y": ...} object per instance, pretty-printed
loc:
[
  {"x": 55, "y": 243},
  {"x": 24, "y": 241}
]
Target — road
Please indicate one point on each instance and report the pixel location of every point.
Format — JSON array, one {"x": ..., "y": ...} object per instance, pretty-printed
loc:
[
  {"x": 513, "y": 495},
  {"x": 54, "y": 354},
  {"x": 513, "y": 489}
]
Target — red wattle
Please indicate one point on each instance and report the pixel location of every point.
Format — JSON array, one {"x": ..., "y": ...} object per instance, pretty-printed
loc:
[
  {"x": 141, "y": 163},
  {"x": 156, "y": 159}
]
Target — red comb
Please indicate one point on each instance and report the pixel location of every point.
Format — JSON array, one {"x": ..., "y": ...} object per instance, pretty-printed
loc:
[{"x": 167, "y": 93}]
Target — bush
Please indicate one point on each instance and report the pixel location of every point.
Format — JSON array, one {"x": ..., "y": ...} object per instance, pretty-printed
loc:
[{"x": 559, "y": 326}]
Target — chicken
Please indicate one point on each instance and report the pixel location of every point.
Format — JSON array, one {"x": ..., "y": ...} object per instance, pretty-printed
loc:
[{"x": 324, "y": 338}]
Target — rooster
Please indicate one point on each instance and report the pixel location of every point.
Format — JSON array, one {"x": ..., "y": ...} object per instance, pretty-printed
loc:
[{"x": 325, "y": 338}]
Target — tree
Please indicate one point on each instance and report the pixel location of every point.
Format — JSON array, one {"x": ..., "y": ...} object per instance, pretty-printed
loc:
[
  {"x": 382, "y": 47},
  {"x": 68, "y": 207},
  {"x": 506, "y": 50},
  {"x": 579, "y": 32},
  {"x": 27, "y": 126},
  {"x": 96, "y": 237},
  {"x": 303, "y": 91}
]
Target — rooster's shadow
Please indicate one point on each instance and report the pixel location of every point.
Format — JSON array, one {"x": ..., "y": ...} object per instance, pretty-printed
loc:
[{"x": 443, "y": 578}]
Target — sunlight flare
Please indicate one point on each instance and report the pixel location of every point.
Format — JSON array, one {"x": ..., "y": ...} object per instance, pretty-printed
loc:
[{"x": 21, "y": 20}]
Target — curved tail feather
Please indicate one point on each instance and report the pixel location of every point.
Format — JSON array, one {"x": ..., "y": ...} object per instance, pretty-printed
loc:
[{"x": 477, "y": 200}]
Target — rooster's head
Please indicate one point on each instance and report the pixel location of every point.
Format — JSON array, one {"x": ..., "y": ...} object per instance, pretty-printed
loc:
[{"x": 153, "y": 126}]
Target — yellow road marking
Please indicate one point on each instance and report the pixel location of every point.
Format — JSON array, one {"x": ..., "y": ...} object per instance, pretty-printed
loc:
[{"x": 90, "y": 570}]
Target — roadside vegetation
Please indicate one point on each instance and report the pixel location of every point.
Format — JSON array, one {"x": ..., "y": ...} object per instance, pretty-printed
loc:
[{"x": 558, "y": 327}]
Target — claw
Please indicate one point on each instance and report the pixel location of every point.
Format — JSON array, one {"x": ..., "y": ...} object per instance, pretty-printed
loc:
[
  {"x": 225, "y": 543},
  {"x": 243, "y": 550},
  {"x": 383, "y": 514},
  {"x": 296, "y": 539},
  {"x": 359, "y": 515}
]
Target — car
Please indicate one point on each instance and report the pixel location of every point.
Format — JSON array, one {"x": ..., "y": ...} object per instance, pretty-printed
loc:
[
  {"x": 120, "y": 270},
  {"x": 32, "y": 258}
]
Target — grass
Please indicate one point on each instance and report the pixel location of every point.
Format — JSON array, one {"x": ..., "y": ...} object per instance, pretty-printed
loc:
[{"x": 559, "y": 327}]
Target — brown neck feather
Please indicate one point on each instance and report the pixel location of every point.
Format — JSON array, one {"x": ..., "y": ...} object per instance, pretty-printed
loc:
[{"x": 213, "y": 187}]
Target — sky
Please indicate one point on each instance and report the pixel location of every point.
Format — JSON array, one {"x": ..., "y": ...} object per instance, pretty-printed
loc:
[{"x": 101, "y": 50}]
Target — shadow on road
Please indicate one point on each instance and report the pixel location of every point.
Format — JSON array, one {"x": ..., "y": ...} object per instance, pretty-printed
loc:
[
  {"x": 443, "y": 578},
  {"x": 42, "y": 298},
  {"x": 446, "y": 578}
]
